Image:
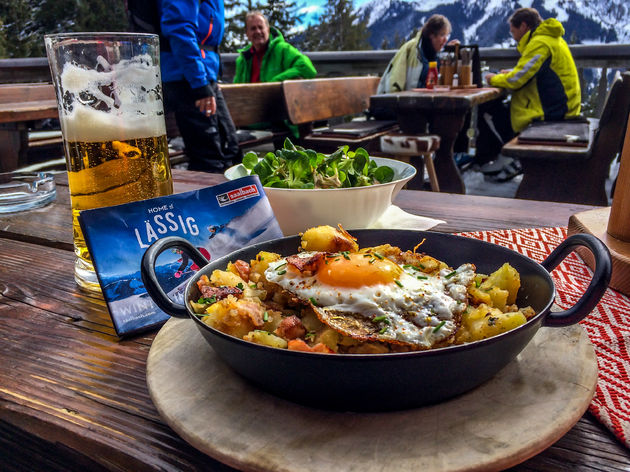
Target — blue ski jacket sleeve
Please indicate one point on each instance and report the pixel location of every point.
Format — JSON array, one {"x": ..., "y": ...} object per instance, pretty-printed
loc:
[{"x": 194, "y": 29}]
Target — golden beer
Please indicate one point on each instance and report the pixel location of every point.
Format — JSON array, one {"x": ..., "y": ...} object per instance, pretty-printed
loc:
[
  {"x": 107, "y": 173},
  {"x": 109, "y": 95}
]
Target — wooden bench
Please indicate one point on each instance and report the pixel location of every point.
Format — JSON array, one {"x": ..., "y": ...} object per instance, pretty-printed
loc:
[
  {"x": 320, "y": 100},
  {"x": 19, "y": 105},
  {"x": 569, "y": 173},
  {"x": 251, "y": 104}
]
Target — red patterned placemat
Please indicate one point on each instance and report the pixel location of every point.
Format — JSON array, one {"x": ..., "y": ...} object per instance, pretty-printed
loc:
[{"x": 608, "y": 325}]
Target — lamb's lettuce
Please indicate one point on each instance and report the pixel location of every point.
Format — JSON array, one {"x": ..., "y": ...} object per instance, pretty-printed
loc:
[{"x": 296, "y": 167}]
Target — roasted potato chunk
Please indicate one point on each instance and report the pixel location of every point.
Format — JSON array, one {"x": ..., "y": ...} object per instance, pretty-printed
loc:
[
  {"x": 485, "y": 321},
  {"x": 265, "y": 338},
  {"x": 328, "y": 239}
]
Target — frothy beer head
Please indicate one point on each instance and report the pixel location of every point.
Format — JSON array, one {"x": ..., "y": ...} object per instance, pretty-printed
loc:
[{"x": 116, "y": 102}]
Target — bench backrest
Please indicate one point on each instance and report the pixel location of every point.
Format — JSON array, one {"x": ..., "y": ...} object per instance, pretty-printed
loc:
[
  {"x": 322, "y": 99},
  {"x": 20, "y": 93},
  {"x": 609, "y": 137},
  {"x": 255, "y": 103}
]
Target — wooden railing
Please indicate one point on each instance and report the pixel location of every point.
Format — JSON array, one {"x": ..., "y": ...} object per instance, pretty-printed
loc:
[
  {"x": 346, "y": 63},
  {"x": 353, "y": 63}
]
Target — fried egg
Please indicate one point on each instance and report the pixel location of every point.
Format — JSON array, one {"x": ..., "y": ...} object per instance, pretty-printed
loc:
[{"x": 369, "y": 297}]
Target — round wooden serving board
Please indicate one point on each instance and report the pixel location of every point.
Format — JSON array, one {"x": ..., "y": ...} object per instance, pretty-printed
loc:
[{"x": 525, "y": 408}]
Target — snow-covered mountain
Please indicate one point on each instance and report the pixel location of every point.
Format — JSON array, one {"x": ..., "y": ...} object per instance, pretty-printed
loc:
[{"x": 484, "y": 22}]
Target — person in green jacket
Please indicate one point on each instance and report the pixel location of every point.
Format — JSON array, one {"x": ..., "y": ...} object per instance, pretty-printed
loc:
[
  {"x": 544, "y": 83},
  {"x": 268, "y": 57}
]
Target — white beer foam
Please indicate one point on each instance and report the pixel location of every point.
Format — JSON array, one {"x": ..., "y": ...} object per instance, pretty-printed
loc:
[{"x": 131, "y": 112}]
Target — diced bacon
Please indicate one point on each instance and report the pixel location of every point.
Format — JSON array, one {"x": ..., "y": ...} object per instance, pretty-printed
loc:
[
  {"x": 290, "y": 327},
  {"x": 219, "y": 293},
  {"x": 253, "y": 310},
  {"x": 321, "y": 347},
  {"x": 303, "y": 264},
  {"x": 243, "y": 269},
  {"x": 300, "y": 345}
]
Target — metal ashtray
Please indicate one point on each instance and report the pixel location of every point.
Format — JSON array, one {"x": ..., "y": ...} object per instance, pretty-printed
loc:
[{"x": 20, "y": 191}]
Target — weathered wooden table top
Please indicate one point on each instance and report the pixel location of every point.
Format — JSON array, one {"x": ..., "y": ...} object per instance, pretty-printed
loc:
[
  {"x": 73, "y": 396},
  {"x": 438, "y": 99}
]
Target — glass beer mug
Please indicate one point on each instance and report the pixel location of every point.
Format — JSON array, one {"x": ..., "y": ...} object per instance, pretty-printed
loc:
[{"x": 109, "y": 95}]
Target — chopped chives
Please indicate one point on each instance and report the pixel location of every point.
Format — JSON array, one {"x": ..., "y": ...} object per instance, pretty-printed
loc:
[
  {"x": 439, "y": 326},
  {"x": 411, "y": 266},
  {"x": 383, "y": 329},
  {"x": 209, "y": 300},
  {"x": 379, "y": 318},
  {"x": 450, "y": 275},
  {"x": 345, "y": 254},
  {"x": 278, "y": 267},
  {"x": 282, "y": 272},
  {"x": 240, "y": 286},
  {"x": 422, "y": 277},
  {"x": 266, "y": 316},
  {"x": 399, "y": 283},
  {"x": 376, "y": 254},
  {"x": 372, "y": 261},
  {"x": 313, "y": 301}
]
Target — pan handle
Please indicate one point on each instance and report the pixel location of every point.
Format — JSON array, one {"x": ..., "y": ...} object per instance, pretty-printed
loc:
[
  {"x": 599, "y": 282},
  {"x": 149, "y": 277}
]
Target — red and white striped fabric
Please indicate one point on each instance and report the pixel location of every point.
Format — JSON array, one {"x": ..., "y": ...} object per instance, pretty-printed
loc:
[{"x": 608, "y": 326}]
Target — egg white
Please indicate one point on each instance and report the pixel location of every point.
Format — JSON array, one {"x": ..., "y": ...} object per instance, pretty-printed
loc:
[{"x": 420, "y": 309}]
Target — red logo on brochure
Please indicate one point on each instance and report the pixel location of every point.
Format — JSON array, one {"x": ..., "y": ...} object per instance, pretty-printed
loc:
[{"x": 237, "y": 195}]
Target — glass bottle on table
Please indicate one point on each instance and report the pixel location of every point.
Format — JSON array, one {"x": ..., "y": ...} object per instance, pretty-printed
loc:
[{"x": 432, "y": 75}]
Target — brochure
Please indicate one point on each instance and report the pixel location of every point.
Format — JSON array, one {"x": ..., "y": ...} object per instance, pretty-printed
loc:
[{"x": 217, "y": 220}]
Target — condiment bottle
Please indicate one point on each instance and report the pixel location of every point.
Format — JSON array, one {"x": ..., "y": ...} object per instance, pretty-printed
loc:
[
  {"x": 432, "y": 75},
  {"x": 455, "y": 80}
]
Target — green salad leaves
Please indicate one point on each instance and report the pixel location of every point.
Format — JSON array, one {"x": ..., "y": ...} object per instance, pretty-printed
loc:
[{"x": 299, "y": 168}]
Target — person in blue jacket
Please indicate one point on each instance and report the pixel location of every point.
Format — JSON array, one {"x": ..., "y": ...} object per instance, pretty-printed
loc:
[{"x": 191, "y": 31}]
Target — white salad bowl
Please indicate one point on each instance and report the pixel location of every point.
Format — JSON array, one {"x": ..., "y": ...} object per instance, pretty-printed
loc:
[{"x": 354, "y": 208}]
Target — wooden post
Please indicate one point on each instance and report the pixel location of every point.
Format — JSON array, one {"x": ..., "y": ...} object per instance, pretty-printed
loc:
[
  {"x": 619, "y": 222},
  {"x": 612, "y": 224}
]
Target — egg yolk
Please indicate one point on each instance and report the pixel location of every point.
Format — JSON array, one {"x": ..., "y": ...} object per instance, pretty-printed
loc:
[{"x": 356, "y": 270}]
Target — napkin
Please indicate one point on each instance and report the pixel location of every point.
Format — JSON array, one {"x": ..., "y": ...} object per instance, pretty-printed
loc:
[{"x": 396, "y": 218}]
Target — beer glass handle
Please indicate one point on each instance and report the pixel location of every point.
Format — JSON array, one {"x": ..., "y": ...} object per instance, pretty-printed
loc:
[{"x": 149, "y": 277}]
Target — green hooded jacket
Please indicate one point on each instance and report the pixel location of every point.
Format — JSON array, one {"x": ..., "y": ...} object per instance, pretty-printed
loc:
[
  {"x": 545, "y": 81},
  {"x": 281, "y": 62}
]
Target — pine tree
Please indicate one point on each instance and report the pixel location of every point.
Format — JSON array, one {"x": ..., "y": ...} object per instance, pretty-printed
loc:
[
  {"x": 17, "y": 29},
  {"x": 283, "y": 14},
  {"x": 339, "y": 29},
  {"x": 25, "y": 22},
  {"x": 101, "y": 15}
]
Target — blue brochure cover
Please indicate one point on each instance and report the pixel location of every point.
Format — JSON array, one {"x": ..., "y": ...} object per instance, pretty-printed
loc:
[{"x": 217, "y": 220}]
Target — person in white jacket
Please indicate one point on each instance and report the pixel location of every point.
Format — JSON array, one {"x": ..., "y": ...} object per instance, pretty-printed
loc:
[{"x": 409, "y": 67}]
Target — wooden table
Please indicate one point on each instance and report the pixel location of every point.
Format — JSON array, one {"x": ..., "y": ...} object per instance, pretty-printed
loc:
[
  {"x": 444, "y": 111},
  {"x": 74, "y": 397}
]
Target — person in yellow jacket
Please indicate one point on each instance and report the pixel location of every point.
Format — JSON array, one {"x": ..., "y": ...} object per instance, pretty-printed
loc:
[{"x": 544, "y": 83}]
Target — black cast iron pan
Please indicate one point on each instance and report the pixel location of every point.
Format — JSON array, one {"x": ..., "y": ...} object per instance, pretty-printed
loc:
[{"x": 394, "y": 381}]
